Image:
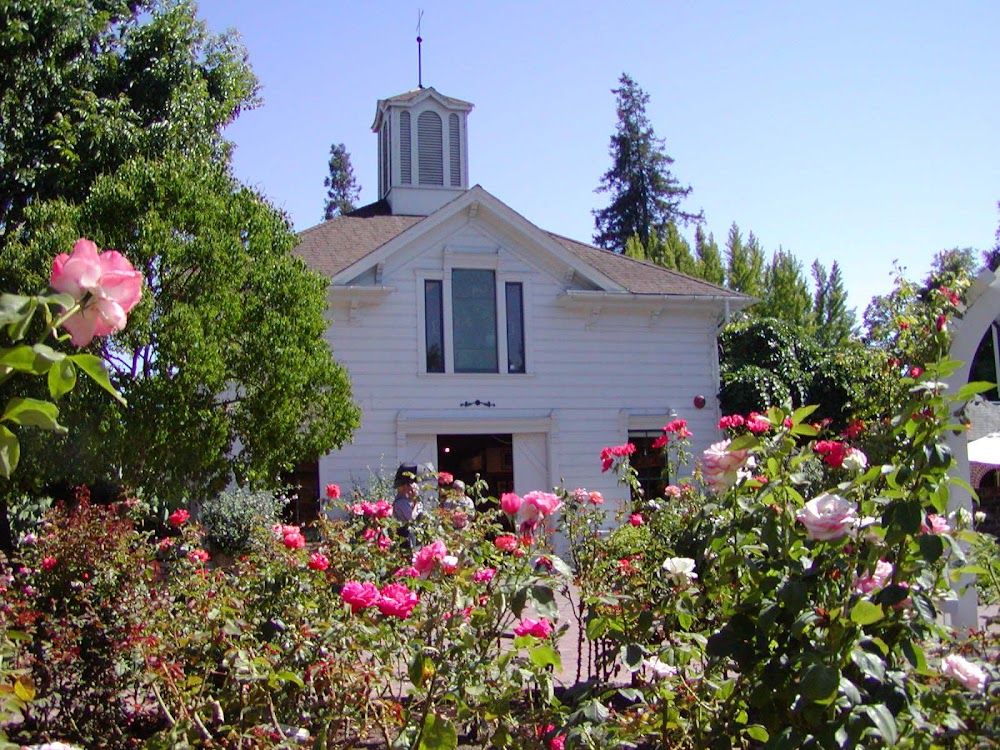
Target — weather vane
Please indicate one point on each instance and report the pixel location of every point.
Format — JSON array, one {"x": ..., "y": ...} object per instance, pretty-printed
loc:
[{"x": 420, "y": 67}]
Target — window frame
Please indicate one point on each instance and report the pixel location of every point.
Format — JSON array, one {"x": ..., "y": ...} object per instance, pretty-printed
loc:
[{"x": 473, "y": 261}]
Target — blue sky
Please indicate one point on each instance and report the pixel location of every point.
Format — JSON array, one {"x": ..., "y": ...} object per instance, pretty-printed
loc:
[{"x": 859, "y": 132}]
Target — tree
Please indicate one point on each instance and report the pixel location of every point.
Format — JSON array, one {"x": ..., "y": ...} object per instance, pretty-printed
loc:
[
  {"x": 744, "y": 262},
  {"x": 834, "y": 322},
  {"x": 224, "y": 362},
  {"x": 785, "y": 291},
  {"x": 708, "y": 258},
  {"x": 645, "y": 196},
  {"x": 342, "y": 188}
]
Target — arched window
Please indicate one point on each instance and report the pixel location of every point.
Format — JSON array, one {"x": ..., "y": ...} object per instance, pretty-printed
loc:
[
  {"x": 430, "y": 156},
  {"x": 455, "y": 151},
  {"x": 405, "y": 157}
]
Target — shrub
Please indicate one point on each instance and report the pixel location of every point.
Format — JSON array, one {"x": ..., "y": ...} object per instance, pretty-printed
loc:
[{"x": 234, "y": 519}]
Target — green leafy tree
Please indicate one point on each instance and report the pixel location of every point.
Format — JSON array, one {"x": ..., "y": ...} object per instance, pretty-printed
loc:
[
  {"x": 835, "y": 323},
  {"x": 744, "y": 262},
  {"x": 708, "y": 258},
  {"x": 112, "y": 129},
  {"x": 645, "y": 195},
  {"x": 786, "y": 292},
  {"x": 342, "y": 188}
]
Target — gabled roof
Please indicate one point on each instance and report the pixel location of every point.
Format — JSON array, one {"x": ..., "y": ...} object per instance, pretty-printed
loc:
[
  {"x": 333, "y": 246},
  {"x": 414, "y": 97}
]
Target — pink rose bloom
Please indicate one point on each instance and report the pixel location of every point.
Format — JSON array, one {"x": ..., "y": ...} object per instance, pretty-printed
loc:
[
  {"x": 407, "y": 572},
  {"x": 596, "y": 498},
  {"x": 48, "y": 563},
  {"x": 672, "y": 490},
  {"x": 444, "y": 478},
  {"x": 198, "y": 555},
  {"x": 178, "y": 517},
  {"x": 970, "y": 675},
  {"x": 368, "y": 508},
  {"x": 540, "y": 628},
  {"x": 679, "y": 426},
  {"x": 758, "y": 423},
  {"x": 935, "y": 524},
  {"x": 506, "y": 542},
  {"x": 360, "y": 595},
  {"x": 384, "y": 543},
  {"x": 731, "y": 422},
  {"x": 558, "y": 742},
  {"x": 106, "y": 284},
  {"x": 876, "y": 580},
  {"x": 383, "y": 509},
  {"x": 827, "y": 517},
  {"x": 333, "y": 491},
  {"x": 580, "y": 495},
  {"x": 540, "y": 505},
  {"x": 397, "y": 600},
  {"x": 318, "y": 561},
  {"x": 295, "y": 540},
  {"x": 721, "y": 467},
  {"x": 635, "y": 519},
  {"x": 510, "y": 503},
  {"x": 425, "y": 559},
  {"x": 368, "y": 534},
  {"x": 357, "y": 510},
  {"x": 608, "y": 455},
  {"x": 449, "y": 564},
  {"x": 484, "y": 575}
]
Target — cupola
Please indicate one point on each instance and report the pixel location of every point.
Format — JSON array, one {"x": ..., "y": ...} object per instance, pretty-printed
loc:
[{"x": 423, "y": 150}]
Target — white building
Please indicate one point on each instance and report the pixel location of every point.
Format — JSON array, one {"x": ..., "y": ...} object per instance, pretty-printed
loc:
[{"x": 480, "y": 343}]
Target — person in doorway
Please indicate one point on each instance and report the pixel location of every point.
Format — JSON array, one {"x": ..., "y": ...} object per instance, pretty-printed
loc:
[{"x": 406, "y": 508}]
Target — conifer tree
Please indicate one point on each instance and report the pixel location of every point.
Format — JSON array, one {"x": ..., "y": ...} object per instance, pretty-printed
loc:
[
  {"x": 678, "y": 250},
  {"x": 342, "y": 188},
  {"x": 708, "y": 265},
  {"x": 834, "y": 322},
  {"x": 786, "y": 291},
  {"x": 645, "y": 195},
  {"x": 744, "y": 262}
]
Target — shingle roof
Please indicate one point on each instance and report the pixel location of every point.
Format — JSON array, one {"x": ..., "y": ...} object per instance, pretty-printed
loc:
[{"x": 332, "y": 246}]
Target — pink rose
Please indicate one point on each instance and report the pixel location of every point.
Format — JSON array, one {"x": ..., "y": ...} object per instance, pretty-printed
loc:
[
  {"x": 558, "y": 742},
  {"x": 672, "y": 490},
  {"x": 333, "y": 491},
  {"x": 384, "y": 543},
  {"x": 397, "y": 600},
  {"x": 383, "y": 509},
  {"x": 970, "y": 675},
  {"x": 540, "y": 505},
  {"x": 48, "y": 563},
  {"x": 407, "y": 572},
  {"x": 449, "y": 564},
  {"x": 198, "y": 555},
  {"x": 484, "y": 575},
  {"x": 827, "y": 517},
  {"x": 318, "y": 561},
  {"x": 722, "y": 467},
  {"x": 596, "y": 498},
  {"x": 608, "y": 455},
  {"x": 935, "y": 524},
  {"x": 510, "y": 503},
  {"x": 294, "y": 540},
  {"x": 758, "y": 423},
  {"x": 425, "y": 559},
  {"x": 444, "y": 478},
  {"x": 360, "y": 595},
  {"x": 540, "y": 628},
  {"x": 506, "y": 542},
  {"x": 635, "y": 519},
  {"x": 876, "y": 580},
  {"x": 178, "y": 517},
  {"x": 106, "y": 284}
]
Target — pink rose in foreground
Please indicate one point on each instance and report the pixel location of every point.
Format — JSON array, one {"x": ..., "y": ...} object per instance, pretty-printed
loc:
[
  {"x": 360, "y": 595},
  {"x": 294, "y": 540},
  {"x": 333, "y": 491},
  {"x": 935, "y": 524},
  {"x": 318, "y": 561},
  {"x": 757, "y": 423},
  {"x": 635, "y": 519},
  {"x": 596, "y": 498},
  {"x": 178, "y": 517},
  {"x": 510, "y": 503},
  {"x": 540, "y": 628},
  {"x": 970, "y": 675},
  {"x": 722, "y": 467},
  {"x": 540, "y": 505},
  {"x": 876, "y": 580},
  {"x": 558, "y": 742},
  {"x": 106, "y": 284},
  {"x": 425, "y": 559},
  {"x": 827, "y": 517},
  {"x": 396, "y": 600}
]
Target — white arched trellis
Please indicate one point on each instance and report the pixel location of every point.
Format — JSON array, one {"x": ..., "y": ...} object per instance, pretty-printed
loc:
[{"x": 983, "y": 300}]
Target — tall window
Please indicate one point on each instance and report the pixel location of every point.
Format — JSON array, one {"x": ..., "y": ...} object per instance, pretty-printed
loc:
[
  {"x": 486, "y": 331},
  {"x": 648, "y": 463},
  {"x": 434, "y": 321},
  {"x": 474, "y": 319}
]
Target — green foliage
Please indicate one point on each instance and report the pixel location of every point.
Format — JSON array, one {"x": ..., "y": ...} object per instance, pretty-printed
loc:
[
  {"x": 645, "y": 196},
  {"x": 224, "y": 362},
  {"x": 786, "y": 293},
  {"x": 834, "y": 323},
  {"x": 708, "y": 258},
  {"x": 342, "y": 187},
  {"x": 237, "y": 518},
  {"x": 744, "y": 263}
]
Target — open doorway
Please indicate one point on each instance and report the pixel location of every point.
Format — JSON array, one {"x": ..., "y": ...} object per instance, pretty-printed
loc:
[{"x": 489, "y": 456}]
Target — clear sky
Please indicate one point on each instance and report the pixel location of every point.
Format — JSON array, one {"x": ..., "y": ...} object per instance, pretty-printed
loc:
[{"x": 852, "y": 131}]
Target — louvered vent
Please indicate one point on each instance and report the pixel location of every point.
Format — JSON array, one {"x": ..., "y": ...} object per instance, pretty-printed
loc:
[
  {"x": 430, "y": 156},
  {"x": 405, "y": 156},
  {"x": 384, "y": 171},
  {"x": 455, "y": 148}
]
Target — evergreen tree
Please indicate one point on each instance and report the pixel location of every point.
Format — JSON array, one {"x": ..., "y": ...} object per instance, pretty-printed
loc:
[
  {"x": 342, "y": 188},
  {"x": 834, "y": 322},
  {"x": 744, "y": 263},
  {"x": 635, "y": 249},
  {"x": 786, "y": 292},
  {"x": 709, "y": 260},
  {"x": 645, "y": 196},
  {"x": 679, "y": 250}
]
